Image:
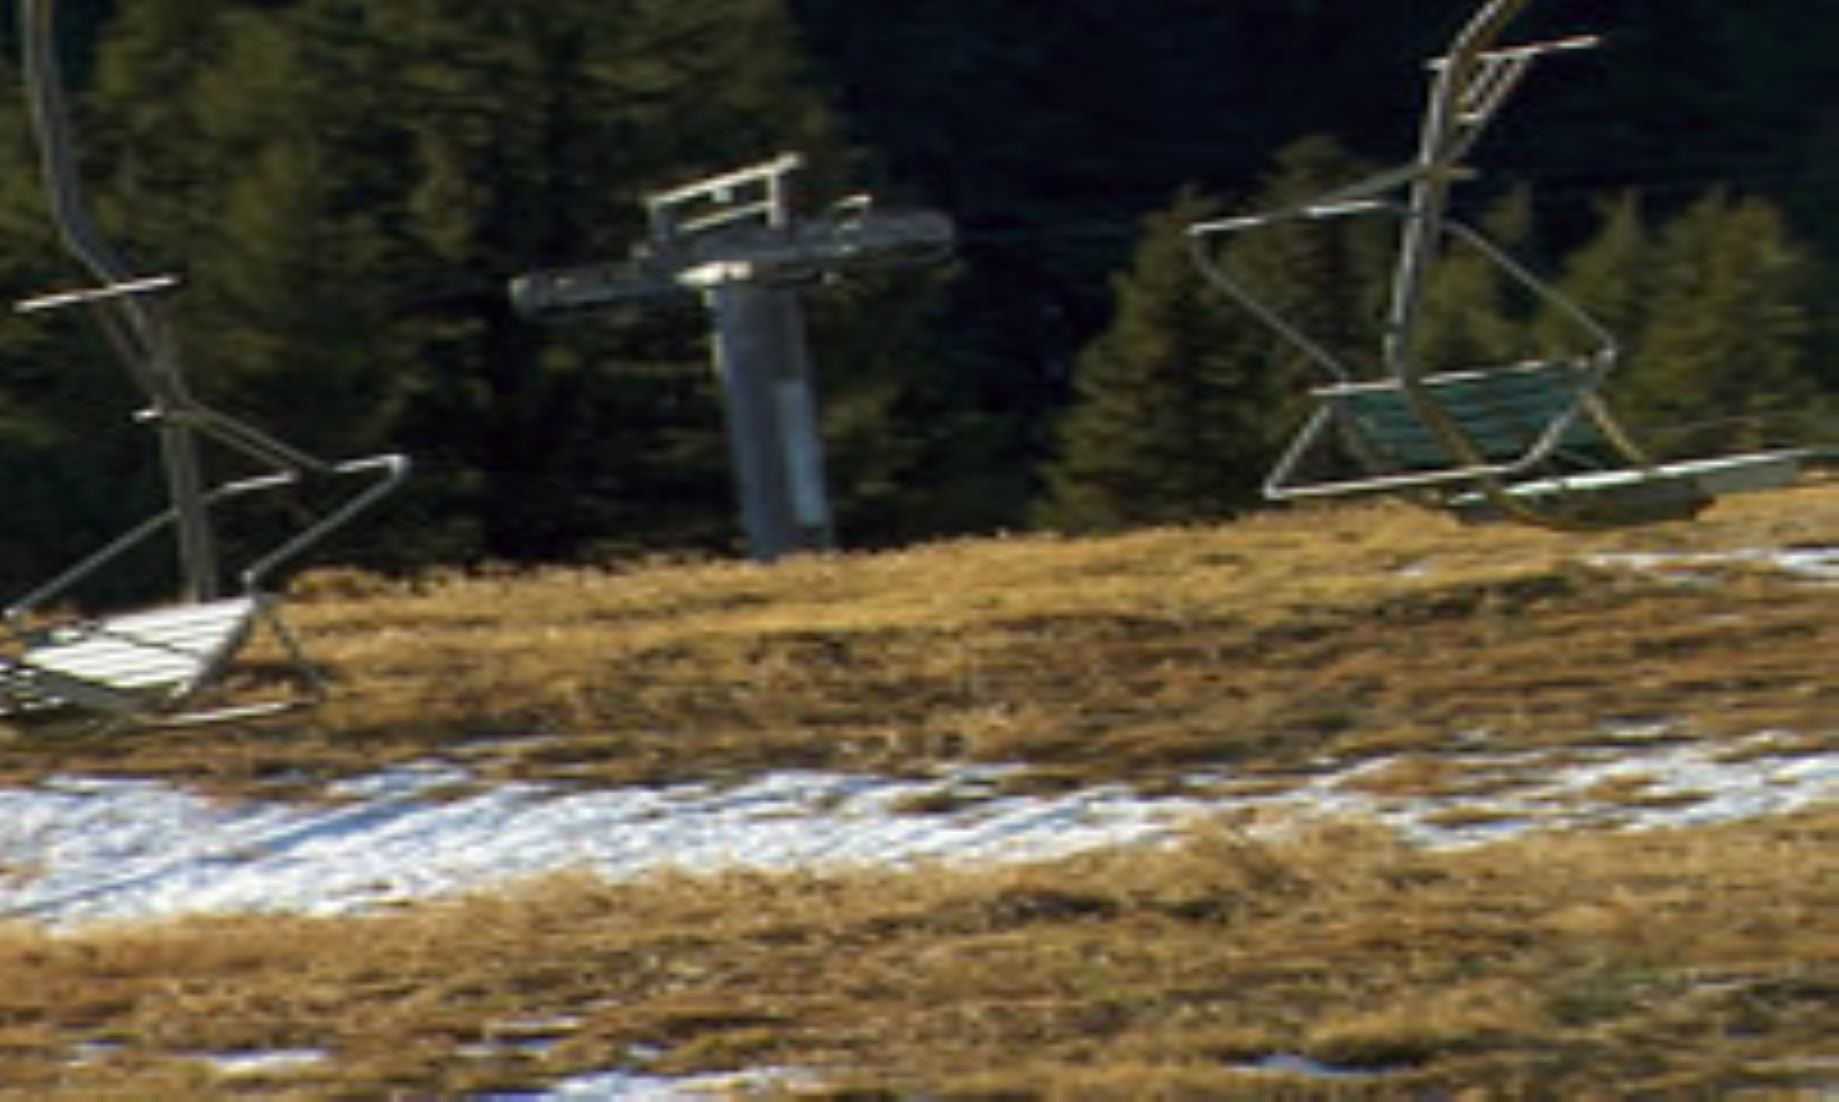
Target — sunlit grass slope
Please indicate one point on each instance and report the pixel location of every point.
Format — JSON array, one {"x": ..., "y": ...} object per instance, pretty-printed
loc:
[
  {"x": 1692, "y": 964},
  {"x": 1274, "y": 641},
  {"x": 1683, "y": 965}
]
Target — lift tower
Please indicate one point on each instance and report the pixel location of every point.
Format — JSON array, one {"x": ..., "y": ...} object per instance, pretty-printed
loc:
[{"x": 736, "y": 241}]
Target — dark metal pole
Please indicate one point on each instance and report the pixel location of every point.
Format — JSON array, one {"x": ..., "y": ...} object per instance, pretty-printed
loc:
[
  {"x": 735, "y": 240},
  {"x": 764, "y": 364},
  {"x": 1440, "y": 144},
  {"x": 136, "y": 326}
]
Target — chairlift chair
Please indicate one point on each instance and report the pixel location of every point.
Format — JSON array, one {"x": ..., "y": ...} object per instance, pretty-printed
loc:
[
  {"x": 1532, "y": 441},
  {"x": 168, "y": 664}
]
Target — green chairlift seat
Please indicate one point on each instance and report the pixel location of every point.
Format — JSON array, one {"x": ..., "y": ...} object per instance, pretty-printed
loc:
[
  {"x": 1532, "y": 441},
  {"x": 1536, "y": 432}
]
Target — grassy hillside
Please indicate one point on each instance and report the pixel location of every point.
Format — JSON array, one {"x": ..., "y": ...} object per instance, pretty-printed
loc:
[
  {"x": 1280, "y": 640},
  {"x": 1685, "y": 964}
]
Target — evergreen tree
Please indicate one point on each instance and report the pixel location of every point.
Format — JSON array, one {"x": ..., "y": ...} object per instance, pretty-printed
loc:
[
  {"x": 153, "y": 177},
  {"x": 905, "y": 459},
  {"x": 535, "y": 130},
  {"x": 76, "y": 469},
  {"x": 29, "y": 438},
  {"x": 1173, "y": 418},
  {"x": 1609, "y": 277},
  {"x": 1327, "y": 278},
  {"x": 1184, "y": 402},
  {"x": 234, "y": 139},
  {"x": 1475, "y": 314},
  {"x": 349, "y": 186},
  {"x": 296, "y": 267},
  {"x": 1723, "y": 353},
  {"x": 345, "y": 186}
]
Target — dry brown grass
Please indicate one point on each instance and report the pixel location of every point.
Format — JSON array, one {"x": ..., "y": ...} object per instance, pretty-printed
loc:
[
  {"x": 1690, "y": 964},
  {"x": 1666, "y": 965},
  {"x": 1343, "y": 632}
]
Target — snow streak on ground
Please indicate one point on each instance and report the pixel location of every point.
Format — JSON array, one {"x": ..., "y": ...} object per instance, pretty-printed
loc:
[
  {"x": 1817, "y": 564},
  {"x": 78, "y": 851},
  {"x": 75, "y": 851}
]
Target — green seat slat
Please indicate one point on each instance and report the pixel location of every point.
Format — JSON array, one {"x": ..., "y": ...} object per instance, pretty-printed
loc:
[{"x": 1503, "y": 413}]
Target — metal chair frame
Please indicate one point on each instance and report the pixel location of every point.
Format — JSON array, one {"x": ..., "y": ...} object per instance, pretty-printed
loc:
[
  {"x": 153, "y": 665},
  {"x": 1469, "y": 87}
]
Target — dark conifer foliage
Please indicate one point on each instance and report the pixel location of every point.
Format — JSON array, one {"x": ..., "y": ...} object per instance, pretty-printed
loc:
[
  {"x": 346, "y": 185},
  {"x": 1722, "y": 359},
  {"x": 1166, "y": 427}
]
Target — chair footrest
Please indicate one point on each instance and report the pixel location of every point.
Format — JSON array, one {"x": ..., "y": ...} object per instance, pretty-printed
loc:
[{"x": 1667, "y": 492}]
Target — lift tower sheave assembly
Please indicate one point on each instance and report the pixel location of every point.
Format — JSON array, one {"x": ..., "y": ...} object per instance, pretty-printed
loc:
[{"x": 736, "y": 241}]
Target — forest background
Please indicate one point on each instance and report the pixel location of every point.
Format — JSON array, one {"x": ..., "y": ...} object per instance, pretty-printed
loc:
[{"x": 346, "y": 187}]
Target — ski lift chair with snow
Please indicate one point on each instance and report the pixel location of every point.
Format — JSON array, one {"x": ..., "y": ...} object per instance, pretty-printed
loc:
[
  {"x": 1532, "y": 441},
  {"x": 168, "y": 664}
]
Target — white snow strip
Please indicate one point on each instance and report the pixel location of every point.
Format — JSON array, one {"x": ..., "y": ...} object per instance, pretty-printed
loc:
[
  {"x": 77, "y": 851},
  {"x": 600, "y": 1087},
  {"x": 1302, "y": 1067},
  {"x": 624, "y": 1087},
  {"x": 1815, "y": 564},
  {"x": 237, "y": 1065},
  {"x": 83, "y": 850}
]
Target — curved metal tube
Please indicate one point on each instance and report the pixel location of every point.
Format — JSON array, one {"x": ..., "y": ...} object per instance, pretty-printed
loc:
[
  {"x": 134, "y": 318},
  {"x": 1470, "y": 86},
  {"x": 135, "y": 324},
  {"x": 1464, "y": 97},
  {"x": 1441, "y": 144}
]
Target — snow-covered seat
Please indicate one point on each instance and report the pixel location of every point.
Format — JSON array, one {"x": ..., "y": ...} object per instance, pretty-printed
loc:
[{"x": 126, "y": 664}]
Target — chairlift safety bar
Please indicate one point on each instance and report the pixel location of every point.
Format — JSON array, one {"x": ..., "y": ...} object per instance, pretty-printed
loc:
[
  {"x": 58, "y": 300},
  {"x": 1530, "y": 50}
]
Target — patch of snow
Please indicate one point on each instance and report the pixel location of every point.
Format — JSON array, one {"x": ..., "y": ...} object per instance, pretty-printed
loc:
[
  {"x": 276, "y": 1062},
  {"x": 624, "y": 1087},
  {"x": 91, "y": 850},
  {"x": 1815, "y": 564},
  {"x": 91, "y": 1052},
  {"x": 525, "y": 1036},
  {"x": 77, "y": 851},
  {"x": 1687, "y": 784},
  {"x": 401, "y": 783},
  {"x": 1284, "y": 1063}
]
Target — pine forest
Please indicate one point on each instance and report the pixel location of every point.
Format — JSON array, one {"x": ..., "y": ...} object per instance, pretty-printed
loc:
[{"x": 347, "y": 188}]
